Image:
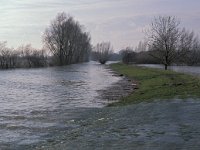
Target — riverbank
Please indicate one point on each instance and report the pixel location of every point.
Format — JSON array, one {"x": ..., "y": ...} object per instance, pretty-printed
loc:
[
  {"x": 116, "y": 91},
  {"x": 157, "y": 84}
]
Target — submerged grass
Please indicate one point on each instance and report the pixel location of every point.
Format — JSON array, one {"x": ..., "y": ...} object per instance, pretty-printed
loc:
[{"x": 157, "y": 84}]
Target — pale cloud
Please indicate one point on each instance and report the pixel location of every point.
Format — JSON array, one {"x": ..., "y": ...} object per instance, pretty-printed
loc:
[{"x": 120, "y": 21}]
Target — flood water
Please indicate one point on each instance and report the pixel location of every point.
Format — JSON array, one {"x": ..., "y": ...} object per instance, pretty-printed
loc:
[
  {"x": 36, "y": 102},
  {"x": 60, "y": 108},
  {"x": 193, "y": 70}
]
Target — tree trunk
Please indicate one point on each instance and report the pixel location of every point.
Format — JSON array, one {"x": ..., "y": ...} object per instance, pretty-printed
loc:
[{"x": 166, "y": 66}]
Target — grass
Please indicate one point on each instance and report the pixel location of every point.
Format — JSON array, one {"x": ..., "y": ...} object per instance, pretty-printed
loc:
[{"x": 157, "y": 84}]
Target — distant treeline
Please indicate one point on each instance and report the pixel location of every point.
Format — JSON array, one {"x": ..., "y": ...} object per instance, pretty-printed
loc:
[
  {"x": 65, "y": 42},
  {"x": 129, "y": 55},
  {"x": 22, "y": 57}
]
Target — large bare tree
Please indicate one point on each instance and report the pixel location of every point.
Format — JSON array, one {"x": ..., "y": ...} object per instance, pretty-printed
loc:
[
  {"x": 66, "y": 40},
  {"x": 163, "y": 39}
]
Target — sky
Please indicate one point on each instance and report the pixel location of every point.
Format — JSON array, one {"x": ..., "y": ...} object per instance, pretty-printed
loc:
[{"x": 122, "y": 22}]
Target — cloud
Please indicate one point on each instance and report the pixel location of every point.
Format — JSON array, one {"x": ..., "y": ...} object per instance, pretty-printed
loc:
[{"x": 119, "y": 21}]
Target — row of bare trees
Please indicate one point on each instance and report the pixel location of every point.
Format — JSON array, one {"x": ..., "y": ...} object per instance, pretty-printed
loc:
[
  {"x": 166, "y": 43},
  {"x": 188, "y": 48},
  {"x": 169, "y": 44},
  {"x": 30, "y": 57},
  {"x": 68, "y": 43},
  {"x": 65, "y": 42},
  {"x": 24, "y": 56}
]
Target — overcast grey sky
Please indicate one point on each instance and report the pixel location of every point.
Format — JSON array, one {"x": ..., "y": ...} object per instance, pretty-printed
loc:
[{"x": 120, "y": 21}]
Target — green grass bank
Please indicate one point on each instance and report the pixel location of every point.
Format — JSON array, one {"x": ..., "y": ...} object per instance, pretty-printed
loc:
[{"x": 156, "y": 84}]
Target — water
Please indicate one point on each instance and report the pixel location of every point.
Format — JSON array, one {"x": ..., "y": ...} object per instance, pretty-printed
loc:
[
  {"x": 159, "y": 125},
  {"x": 193, "y": 70},
  {"x": 34, "y": 103},
  {"x": 60, "y": 108}
]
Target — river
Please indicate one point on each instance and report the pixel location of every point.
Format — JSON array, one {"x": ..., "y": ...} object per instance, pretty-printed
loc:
[
  {"x": 60, "y": 108},
  {"x": 34, "y": 103}
]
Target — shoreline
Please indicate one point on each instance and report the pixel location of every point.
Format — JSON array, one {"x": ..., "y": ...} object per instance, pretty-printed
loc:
[
  {"x": 151, "y": 84},
  {"x": 117, "y": 91}
]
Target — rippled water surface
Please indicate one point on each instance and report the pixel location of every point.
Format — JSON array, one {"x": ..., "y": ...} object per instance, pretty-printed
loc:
[
  {"x": 60, "y": 108},
  {"x": 36, "y": 102}
]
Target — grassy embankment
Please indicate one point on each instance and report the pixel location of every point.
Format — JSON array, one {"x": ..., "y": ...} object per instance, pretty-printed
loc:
[{"x": 157, "y": 84}]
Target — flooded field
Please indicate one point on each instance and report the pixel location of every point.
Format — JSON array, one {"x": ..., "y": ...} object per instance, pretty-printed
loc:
[
  {"x": 35, "y": 102},
  {"x": 61, "y": 108}
]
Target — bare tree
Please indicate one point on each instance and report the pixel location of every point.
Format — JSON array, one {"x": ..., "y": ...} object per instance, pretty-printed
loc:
[
  {"x": 25, "y": 56},
  {"x": 66, "y": 40},
  {"x": 102, "y": 52},
  {"x": 128, "y": 55},
  {"x": 30, "y": 57},
  {"x": 193, "y": 54},
  {"x": 7, "y": 56},
  {"x": 142, "y": 46},
  {"x": 163, "y": 39},
  {"x": 187, "y": 44}
]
